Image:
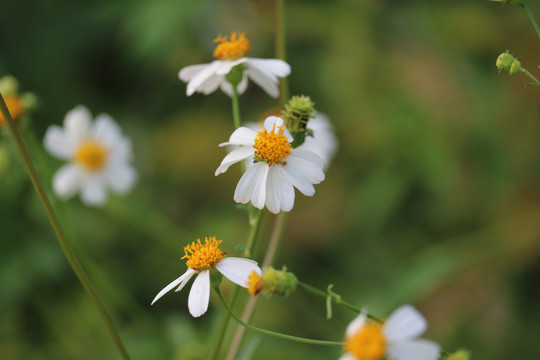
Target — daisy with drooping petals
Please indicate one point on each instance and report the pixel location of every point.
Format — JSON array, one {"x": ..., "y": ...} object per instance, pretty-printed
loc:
[
  {"x": 396, "y": 338},
  {"x": 201, "y": 259},
  {"x": 99, "y": 157},
  {"x": 206, "y": 78},
  {"x": 274, "y": 167}
]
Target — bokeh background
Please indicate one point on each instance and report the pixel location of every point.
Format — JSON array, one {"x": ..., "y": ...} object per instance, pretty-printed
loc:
[{"x": 433, "y": 197}]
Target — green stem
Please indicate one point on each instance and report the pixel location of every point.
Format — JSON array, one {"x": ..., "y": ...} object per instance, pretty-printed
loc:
[
  {"x": 335, "y": 298},
  {"x": 57, "y": 228},
  {"x": 531, "y": 16},
  {"x": 273, "y": 333},
  {"x": 236, "y": 108},
  {"x": 526, "y": 72},
  {"x": 255, "y": 226},
  {"x": 281, "y": 48}
]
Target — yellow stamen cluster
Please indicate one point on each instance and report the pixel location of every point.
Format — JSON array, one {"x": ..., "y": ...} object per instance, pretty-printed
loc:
[
  {"x": 255, "y": 283},
  {"x": 272, "y": 147},
  {"x": 203, "y": 257},
  {"x": 368, "y": 343},
  {"x": 235, "y": 48},
  {"x": 15, "y": 107},
  {"x": 91, "y": 155}
]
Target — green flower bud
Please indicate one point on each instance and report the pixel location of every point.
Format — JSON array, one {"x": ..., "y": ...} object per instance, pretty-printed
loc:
[
  {"x": 507, "y": 62},
  {"x": 297, "y": 113},
  {"x": 460, "y": 355},
  {"x": 273, "y": 281}
]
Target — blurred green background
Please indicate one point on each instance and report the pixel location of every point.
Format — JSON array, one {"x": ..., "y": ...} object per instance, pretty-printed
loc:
[{"x": 433, "y": 198}]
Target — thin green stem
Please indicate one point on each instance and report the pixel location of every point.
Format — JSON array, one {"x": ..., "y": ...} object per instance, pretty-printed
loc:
[
  {"x": 57, "y": 228},
  {"x": 275, "y": 240},
  {"x": 531, "y": 17},
  {"x": 255, "y": 226},
  {"x": 236, "y": 108},
  {"x": 526, "y": 72},
  {"x": 273, "y": 333},
  {"x": 281, "y": 31}
]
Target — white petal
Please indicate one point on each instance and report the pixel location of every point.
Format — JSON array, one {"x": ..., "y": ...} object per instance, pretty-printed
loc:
[
  {"x": 323, "y": 142},
  {"x": 195, "y": 83},
  {"x": 199, "y": 295},
  {"x": 303, "y": 174},
  {"x": 414, "y": 350},
  {"x": 347, "y": 356},
  {"x": 238, "y": 269},
  {"x": 121, "y": 178},
  {"x": 309, "y": 156},
  {"x": 187, "y": 73},
  {"x": 242, "y": 86},
  {"x": 279, "y": 191},
  {"x": 67, "y": 181},
  {"x": 211, "y": 84},
  {"x": 106, "y": 130},
  {"x": 252, "y": 185},
  {"x": 77, "y": 123},
  {"x": 403, "y": 324},
  {"x": 186, "y": 276},
  {"x": 241, "y": 136},
  {"x": 57, "y": 143},
  {"x": 225, "y": 66},
  {"x": 356, "y": 325},
  {"x": 93, "y": 191},
  {"x": 272, "y": 66},
  {"x": 267, "y": 82},
  {"x": 269, "y": 123},
  {"x": 233, "y": 157}
]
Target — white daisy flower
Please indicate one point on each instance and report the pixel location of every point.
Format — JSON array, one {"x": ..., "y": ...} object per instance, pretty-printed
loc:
[
  {"x": 206, "y": 78},
  {"x": 396, "y": 338},
  {"x": 324, "y": 141},
  {"x": 274, "y": 167},
  {"x": 201, "y": 259},
  {"x": 99, "y": 157}
]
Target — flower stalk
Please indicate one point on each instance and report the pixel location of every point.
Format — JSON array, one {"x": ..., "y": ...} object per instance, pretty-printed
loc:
[{"x": 58, "y": 230}]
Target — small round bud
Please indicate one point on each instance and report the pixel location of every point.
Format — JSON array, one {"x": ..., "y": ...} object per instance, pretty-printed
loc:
[
  {"x": 460, "y": 355},
  {"x": 272, "y": 281},
  {"x": 507, "y": 62},
  {"x": 297, "y": 113}
]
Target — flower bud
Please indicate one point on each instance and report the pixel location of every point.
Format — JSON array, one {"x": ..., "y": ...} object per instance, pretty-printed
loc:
[
  {"x": 507, "y": 62},
  {"x": 273, "y": 281},
  {"x": 460, "y": 355},
  {"x": 297, "y": 113}
]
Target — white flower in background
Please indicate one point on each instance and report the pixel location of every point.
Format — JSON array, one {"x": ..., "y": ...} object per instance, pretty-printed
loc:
[
  {"x": 206, "y": 78},
  {"x": 324, "y": 141},
  {"x": 99, "y": 157},
  {"x": 274, "y": 167},
  {"x": 200, "y": 260},
  {"x": 396, "y": 338}
]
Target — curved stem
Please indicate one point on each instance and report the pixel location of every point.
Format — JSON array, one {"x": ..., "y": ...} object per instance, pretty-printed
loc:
[
  {"x": 58, "y": 230},
  {"x": 255, "y": 226},
  {"x": 273, "y": 333},
  {"x": 236, "y": 108},
  {"x": 531, "y": 17},
  {"x": 526, "y": 72}
]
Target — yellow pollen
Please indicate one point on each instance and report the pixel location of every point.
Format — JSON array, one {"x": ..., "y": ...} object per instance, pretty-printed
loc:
[
  {"x": 203, "y": 257},
  {"x": 368, "y": 343},
  {"x": 255, "y": 283},
  {"x": 91, "y": 155},
  {"x": 272, "y": 147},
  {"x": 232, "y": 49},
  {"x": 15, "y": 107}
]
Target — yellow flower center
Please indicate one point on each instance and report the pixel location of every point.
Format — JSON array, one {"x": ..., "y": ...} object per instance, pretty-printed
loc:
[
  {"x": 91, "y": 155},
  {"x": 255, "y": 283},
  {"x": 203, "y": 257},
  {"x": 272, "y": 147},
  {"x": 368, "y": 343},
  {"x": 232, "y": 49},
  {"x": 15, "y": 107}
]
